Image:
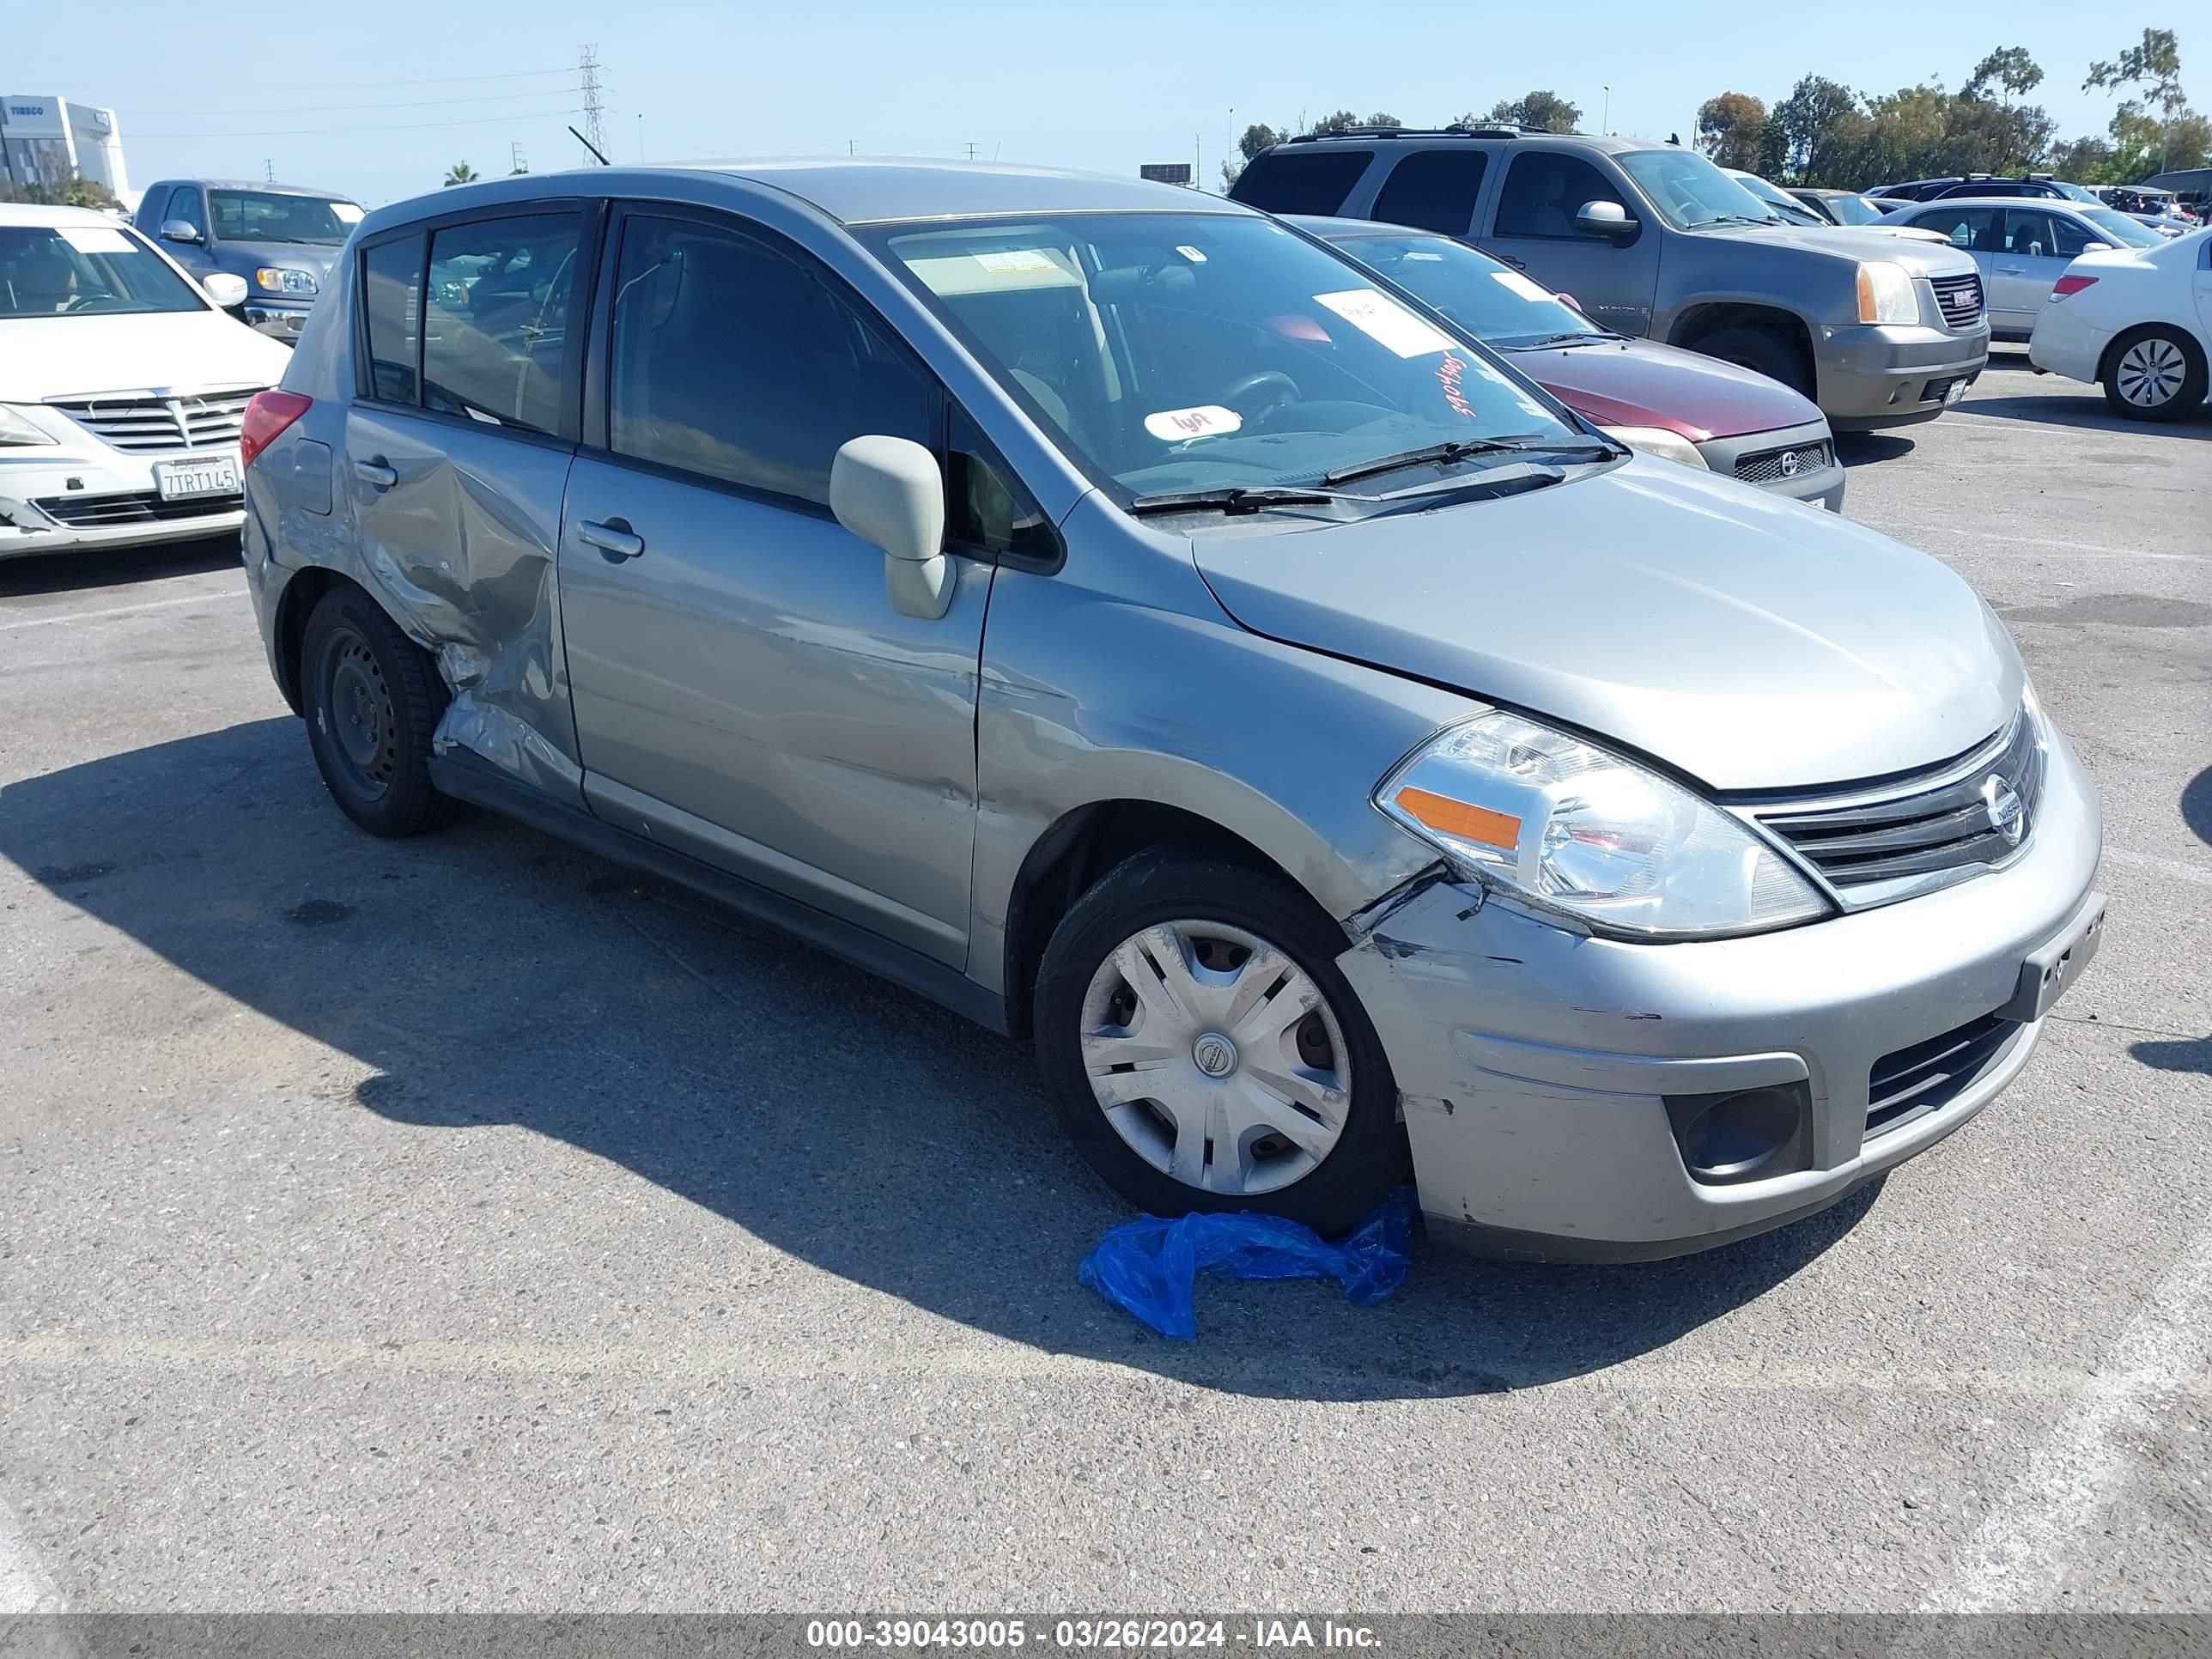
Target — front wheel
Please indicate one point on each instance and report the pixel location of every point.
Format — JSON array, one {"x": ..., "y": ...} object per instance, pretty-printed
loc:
[
  {"x": 1205, "y": 1053},
  {"x": 2155, "y": 374}
]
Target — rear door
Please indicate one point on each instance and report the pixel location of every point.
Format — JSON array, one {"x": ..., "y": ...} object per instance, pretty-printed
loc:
[
  {"x": 743, "y": 689},
  {"x": 457, "y": 444},
  {"x": 1532, "y": 228}
]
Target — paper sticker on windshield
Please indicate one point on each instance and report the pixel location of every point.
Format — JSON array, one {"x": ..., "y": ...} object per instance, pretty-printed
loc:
[
  {"x": 95, "y": 238},
  {"x": 1514, "y": 283},
  {"x": 1386, "y": 322},
  {"x": 1190, "y": 253},
  {"x": 1206, "y": 421},
  {"x": 345, "y": 213},
  {"x": 1017, "y": 259}
]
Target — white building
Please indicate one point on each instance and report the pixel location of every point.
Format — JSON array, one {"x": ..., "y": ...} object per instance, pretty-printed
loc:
[{"x": 44, "y": 139}]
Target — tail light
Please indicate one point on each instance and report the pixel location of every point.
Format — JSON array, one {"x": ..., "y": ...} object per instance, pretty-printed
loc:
[
  {"x": 2066, "y": 285},
  {"x": 267, "y": 416}
]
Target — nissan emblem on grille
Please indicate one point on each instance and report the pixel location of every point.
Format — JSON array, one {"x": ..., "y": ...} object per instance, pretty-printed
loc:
[{"x": 2007, "y": 817}]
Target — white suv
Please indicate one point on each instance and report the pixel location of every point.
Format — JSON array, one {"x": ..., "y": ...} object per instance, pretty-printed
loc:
[{"x": 122, "y": 388}]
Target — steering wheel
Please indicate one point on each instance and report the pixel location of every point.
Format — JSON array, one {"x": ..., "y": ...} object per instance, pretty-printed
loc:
[
  {"x": 84, "y": 299},
  {"x": 1243, "y": 395}
]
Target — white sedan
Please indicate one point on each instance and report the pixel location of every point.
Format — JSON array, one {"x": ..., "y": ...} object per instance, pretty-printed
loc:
[
  {"x": 123, "y": 386},
  {"x": 2137, "y": 321}
]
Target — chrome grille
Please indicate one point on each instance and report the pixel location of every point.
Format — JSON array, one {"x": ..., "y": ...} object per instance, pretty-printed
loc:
[
  {"x": 1913, "y": 1082},
  {"x": 1769, "y": 465},
  {"x": 142, "y": 423},
  {"x": 134, "y": 507},
  {"x": 1960, "y": 299},
  {"x": 1883, "y": 841}
]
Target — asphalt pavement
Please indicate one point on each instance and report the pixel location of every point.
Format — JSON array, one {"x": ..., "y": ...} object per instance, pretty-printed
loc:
[{"x": 467, "y": 1224}]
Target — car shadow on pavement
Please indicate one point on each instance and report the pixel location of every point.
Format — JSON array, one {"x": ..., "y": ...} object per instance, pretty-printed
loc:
[
  {"x": 1864, "y": 448},
  {"x": 73, "y": 573},
  {"x": 490, "y": 975},
  {"x": 2087, "y": 414},
  {"x": 2178, "y": 1054}
]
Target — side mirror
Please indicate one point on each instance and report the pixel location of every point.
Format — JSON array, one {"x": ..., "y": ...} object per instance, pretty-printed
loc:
[
  {"x": 889, "y": 491},
  {"x": 228, "y": 292},
  {"x": 1608, "y": 219},
  {"x": 177, "y": 230},
  {"x": 1570, "y": 301},
  {"x": 2096, "y": 247}
]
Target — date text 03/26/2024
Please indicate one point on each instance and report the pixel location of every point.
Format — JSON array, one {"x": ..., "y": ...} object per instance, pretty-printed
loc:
[{"x": 1125, "y": 1635}]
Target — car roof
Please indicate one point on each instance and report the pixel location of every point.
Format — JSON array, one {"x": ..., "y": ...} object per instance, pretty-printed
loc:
[
  {"x": 852, "y": 192},
  {"x": 1363, "y": 137},
  {"x": 262, "y": 185},
  {"x": 2031, "y": 204},
  {"x": 31, "y": 213}
]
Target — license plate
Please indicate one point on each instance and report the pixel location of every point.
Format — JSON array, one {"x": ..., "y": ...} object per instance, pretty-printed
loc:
[
  {"x": 1954, "y": 393},
  {"x": 181, "y": 481},
  {"x": 2047, "y": 973}
]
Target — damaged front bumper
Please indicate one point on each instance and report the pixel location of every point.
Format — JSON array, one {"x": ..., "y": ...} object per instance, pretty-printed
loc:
[{"x": 1548, "y": 1078}]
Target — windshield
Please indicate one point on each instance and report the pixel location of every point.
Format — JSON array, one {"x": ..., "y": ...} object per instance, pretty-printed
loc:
[
  {"x": 1779, "y": 199},
  {"x": 61, "y": 271},
  {"x": 1174, "y": 352},
  {"x": 2119, "y": 228},
  {"x": 1497, "y": 306},
  {"x": 1689, "y": 191},
  {"x": 1854, "y": 209},
  {"x": 261, "y": 216}
]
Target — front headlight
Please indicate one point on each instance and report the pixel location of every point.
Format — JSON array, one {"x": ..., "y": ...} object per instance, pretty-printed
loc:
[
  {"x": 1886, "y": 294},
  {"x": 1657, "y": 441},
  {"x": 16, "y": 429},
  {"x": 284, "y": 279},
  {"x": 1571, "y": 827}
]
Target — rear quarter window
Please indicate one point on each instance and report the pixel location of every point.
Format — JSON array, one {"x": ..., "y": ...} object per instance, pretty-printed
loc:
[{"x": 1301, "y": 180}]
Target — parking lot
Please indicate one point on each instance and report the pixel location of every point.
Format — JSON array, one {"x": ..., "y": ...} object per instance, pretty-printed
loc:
[{"x": 467, "y": 1224}]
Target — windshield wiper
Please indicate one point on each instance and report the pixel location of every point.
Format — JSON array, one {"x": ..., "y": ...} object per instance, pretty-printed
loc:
[
  {"x": 1744, "y": 219},
  {"x": 1460, "y": 448},
  {"x": 1568, "y": 337},
  {"x": 1236, "y": 498}
]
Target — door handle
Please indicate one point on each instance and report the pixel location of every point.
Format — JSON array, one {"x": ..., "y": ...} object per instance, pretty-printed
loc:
[
  {"x": 2012, "y": 270},
  {"x": 615, "y": 539},
  {"x": 377, "y": 472},
  {"x": 1517, "y": 265}
]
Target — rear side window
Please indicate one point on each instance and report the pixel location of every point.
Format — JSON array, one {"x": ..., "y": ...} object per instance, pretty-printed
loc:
[
  {"x": 736, "y": 362},
  {"x": 1433, "y": 189},
  {"x": 496, "y": 318},
  {"x": 1301, "y": 180},
  {"x": 392, "y": 296},
  {"x": 1545, "y": 190}
]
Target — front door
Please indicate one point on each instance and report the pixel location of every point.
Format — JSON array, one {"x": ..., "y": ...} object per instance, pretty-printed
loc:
[
  {"x": 743, "y": 689},
  {"x": 1980, "y": 231},
  {"x": 2039, "y": 246},
  {"x": 1533, "y": 229}
]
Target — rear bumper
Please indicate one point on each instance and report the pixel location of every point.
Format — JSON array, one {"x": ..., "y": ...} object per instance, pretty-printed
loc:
[
  {"x": 1882, "y": 375},
  {"x": 2065, "y": 343},
  {"x": 1536, "y": 1066},
  {"x": 1781, "y": 460}
]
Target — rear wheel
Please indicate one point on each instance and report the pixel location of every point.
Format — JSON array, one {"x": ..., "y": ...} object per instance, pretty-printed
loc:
[
  {"x": 2155, "y": 374},
  {"x": 1205, "y": 1053},
  {"x": 372, "y": 699},
  {"x": 1763, "y": 352}
]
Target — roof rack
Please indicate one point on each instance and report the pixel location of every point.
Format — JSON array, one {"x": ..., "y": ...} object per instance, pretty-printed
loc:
[{"x": 1477, "y": 129}]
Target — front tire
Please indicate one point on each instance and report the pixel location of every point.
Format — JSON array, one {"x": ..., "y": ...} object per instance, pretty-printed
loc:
[
  {"x": 1205, "y": 1053},
  {"x": 372, "y": 699},
  {"x": 2155, "y": 374},
  {"x": 1763, "y": 352}
]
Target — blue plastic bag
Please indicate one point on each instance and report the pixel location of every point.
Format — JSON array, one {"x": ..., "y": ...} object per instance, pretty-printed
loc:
[{"x": 1149, "y": 1266}]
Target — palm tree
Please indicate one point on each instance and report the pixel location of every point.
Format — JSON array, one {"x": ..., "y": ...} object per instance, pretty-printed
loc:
[{"x": 460, "y": 174}]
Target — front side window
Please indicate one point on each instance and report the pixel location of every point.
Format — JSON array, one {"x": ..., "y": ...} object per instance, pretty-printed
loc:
[
  {"x": 496, "y": 326},
  {"x": 391, "y": 303},
  {"x": 1496, "y": 304},
  {"x": 2044, "y": 235},
  {"x": 85, "y": 270},
  {"x": 1544, "y": 191},
  {"x": 1302, "y": 180},
  {"x": 1433, "y": 189},
  {"x": 1689, "y": 191},
  {"x": 1190, "y": 351},
  {"x": 263, "y": 216},
  {"x": 735, "y": 361},
  {"x": 185, "y": 205}
]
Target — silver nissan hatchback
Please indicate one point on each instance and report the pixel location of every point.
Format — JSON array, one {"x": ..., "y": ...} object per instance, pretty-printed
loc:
[{"x": 1102, "y": 609}]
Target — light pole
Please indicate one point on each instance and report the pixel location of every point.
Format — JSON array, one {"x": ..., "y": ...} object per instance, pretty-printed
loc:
[{"x": 1605, "y": 121}]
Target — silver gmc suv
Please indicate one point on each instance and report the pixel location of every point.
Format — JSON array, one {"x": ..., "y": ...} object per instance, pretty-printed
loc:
[{"x": 1654, "y": 239}]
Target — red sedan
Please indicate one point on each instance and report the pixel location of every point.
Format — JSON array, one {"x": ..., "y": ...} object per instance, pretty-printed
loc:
[{"x": 1660, "y": 399}]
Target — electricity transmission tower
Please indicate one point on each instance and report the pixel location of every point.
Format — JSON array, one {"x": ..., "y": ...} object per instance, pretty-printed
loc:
[{"x": 587, "y": 67}]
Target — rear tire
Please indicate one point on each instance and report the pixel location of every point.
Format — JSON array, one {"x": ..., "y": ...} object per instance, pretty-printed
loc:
[
  {"x": 372, "y": 699},
  {"x": 2155, "y": 374},
  {"x": 1763, "y": 352},
  {"x": 1269, "y": 1090}
]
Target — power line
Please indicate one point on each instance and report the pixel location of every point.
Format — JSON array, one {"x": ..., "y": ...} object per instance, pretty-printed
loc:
[
  {"x": 403, "y": 103},
  {"x": 387, "y": 81},
  {"x": 401, "y": 126}
]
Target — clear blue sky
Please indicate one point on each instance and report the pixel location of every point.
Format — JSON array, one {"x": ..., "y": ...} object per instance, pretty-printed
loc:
[{"x": 378, "y": 98}]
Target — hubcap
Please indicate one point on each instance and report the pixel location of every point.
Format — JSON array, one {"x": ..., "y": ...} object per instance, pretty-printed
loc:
[
  {"x": 1215, "y": 1057},
  {"x": 2150, "y": 372},
  {"x": 358, "y": 715}
]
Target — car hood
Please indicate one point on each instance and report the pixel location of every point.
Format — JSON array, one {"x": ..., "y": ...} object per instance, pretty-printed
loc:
[
  {"x": 243, "y": 257},
  {"x": 1923, "y": 258},
  {"x": 186, "y": 350},
  {"x": 1640, "y": 383},
  {"x": 1751, "y": 642}
]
